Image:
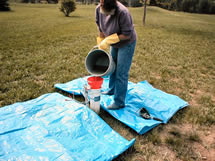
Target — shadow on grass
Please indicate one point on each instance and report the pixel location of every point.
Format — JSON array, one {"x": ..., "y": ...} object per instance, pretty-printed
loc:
[
  {"x": 74, "y": 16},
  {"x": 188, "y": 31},
  {"x": 179, "y": 116},
  {"x": 123, "y": 156},
  {"x": 184, "y": 30},
  {"x": 7, "y": 11}
]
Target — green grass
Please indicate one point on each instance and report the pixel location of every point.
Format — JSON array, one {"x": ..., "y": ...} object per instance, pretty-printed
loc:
[{"x": 175, "y": 52}]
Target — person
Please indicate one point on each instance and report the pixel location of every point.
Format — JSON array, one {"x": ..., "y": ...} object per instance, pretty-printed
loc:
[{"x": 116, "y": 30}]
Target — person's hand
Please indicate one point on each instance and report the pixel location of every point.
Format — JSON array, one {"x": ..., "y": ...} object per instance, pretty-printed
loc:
[
  {"x": 112, "y": 39},
  {"x": 99, "y": 40}
]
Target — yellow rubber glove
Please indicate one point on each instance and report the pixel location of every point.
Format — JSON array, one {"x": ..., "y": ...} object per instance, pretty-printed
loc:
[
  {"x": 112, "y": 39},
  {"x": 99, "y": 40}
]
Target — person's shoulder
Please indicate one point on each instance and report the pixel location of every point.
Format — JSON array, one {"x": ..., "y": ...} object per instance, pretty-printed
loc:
[
  {"x": 98, "y": 7},
  {"x": 122, "y": 8}
]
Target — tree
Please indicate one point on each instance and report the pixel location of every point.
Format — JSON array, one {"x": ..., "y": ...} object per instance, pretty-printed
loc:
[
  {"x": 144, "y": 15},
  {"x": 67, "y": 6},
  {"x": 4, "y": 6}
]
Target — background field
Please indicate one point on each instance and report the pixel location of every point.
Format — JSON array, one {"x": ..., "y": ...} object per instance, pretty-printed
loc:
[{"x": 175, "y": 52}]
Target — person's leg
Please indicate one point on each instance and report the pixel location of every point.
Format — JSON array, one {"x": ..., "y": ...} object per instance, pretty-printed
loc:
[
  {"x": 113, "y": 52},
  {"x": 124, "y": 60}
]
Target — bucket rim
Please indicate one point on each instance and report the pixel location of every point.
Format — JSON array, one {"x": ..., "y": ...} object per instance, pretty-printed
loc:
[{"x": 109, "y": 58}]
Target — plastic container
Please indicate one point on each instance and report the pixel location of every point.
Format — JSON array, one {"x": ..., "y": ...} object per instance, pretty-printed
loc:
[
  {"x": 94, "y": 93},
  {"x": 99, "y": 63}
]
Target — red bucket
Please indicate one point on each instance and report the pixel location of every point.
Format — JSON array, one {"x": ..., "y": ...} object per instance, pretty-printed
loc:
[{"x": 95, "y": 82}]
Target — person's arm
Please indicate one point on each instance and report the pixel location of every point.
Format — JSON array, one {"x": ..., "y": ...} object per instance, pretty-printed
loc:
[
  {"x": 123, "y": 37},
  {"x": 100, "y": 38},
  {"x": 111, "y": 39},
  {"x": 101, "y": 34},
  {"x": 126, "y": 26}
]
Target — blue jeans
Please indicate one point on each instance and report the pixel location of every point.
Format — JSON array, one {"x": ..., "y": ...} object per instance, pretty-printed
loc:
[{"x": 119, "y": 78}]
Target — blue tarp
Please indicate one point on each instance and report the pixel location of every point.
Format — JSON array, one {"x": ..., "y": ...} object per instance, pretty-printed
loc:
[
  {"x": 140, "y": 95},
  {"x": 55, "y": 127}
]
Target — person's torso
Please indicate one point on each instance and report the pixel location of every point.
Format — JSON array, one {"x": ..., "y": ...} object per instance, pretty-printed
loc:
[{"x": 110, "y": 24}]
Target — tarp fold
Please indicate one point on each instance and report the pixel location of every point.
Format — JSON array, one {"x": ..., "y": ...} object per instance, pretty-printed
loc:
[
  {"x": 139, "y": 95},
  {"x": 55, "y": 127}
]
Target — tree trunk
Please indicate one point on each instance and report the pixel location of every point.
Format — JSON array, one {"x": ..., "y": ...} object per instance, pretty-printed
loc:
[{"x": 144, "y": 15}]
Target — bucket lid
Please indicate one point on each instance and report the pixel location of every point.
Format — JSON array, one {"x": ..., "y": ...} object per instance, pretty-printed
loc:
[{"x": 95, "y": 82}]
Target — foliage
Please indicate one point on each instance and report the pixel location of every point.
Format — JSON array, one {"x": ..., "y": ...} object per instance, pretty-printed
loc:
[
  {"x": 193, "y": 6},
  {"x": 39, "y": 1},
  {"x": 67, "y": 6},
  {"x": 131, "y": 3},
  {"x": 52, "y": 1},
  {"x": 189, "y": 5},
  {"x": 153, "y": 3},
  {"x": 25, "y": 1},
  {"x": 212, "y": 9},
  {"x": 136, "y": 4},
  {"x": 4, "y": 5},
  {"x": 204, "y": 6}
]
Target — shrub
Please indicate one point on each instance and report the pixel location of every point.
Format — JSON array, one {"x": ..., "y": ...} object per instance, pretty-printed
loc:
[
  {"x": 187, "y": 5},
  {"x": 152, "y": 3},
  {"x": 178, "y": 5},
  {"x": 193, "y": 6},
  {"x": 53, "y": 1},
  {"x": 204, "y": 6},
  {"x": 67, "y": 6},
  {"x": 134, "y": 3},
  {"x": 4, "y": 6},
  {"x": 25, "y": 1},
  {"x": 212, "y": 8},
  {"x": 173, "y": 5},
  {"x": 28, "y": 1}
]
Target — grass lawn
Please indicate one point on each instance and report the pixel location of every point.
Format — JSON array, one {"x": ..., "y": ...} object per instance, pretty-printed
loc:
[{"x": 175, "y": 52}]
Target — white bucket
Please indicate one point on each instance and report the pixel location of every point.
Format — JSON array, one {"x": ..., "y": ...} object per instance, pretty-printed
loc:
[
  {"x": 94, "y": 96},
  {"x": 99, "y": 63}
]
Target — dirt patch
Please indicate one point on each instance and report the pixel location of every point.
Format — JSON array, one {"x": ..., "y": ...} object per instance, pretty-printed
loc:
[
  {"x": 155, "y": 75},
  {"x": 206, "y": 148},
  {"x": 39, "y": 79},
  {"x": 200, "y": 139},
  {"x": 155, "y": 153},
  {"x": 196, "y": 96},
  {"x": 193, "y": 101},
  {"x": 165, "y": 153}
]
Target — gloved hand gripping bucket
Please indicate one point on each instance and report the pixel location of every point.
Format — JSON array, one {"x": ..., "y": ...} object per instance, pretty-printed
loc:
[
  {"x": 99, "y": 63},
  {"x": 95, "y": 84}
]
